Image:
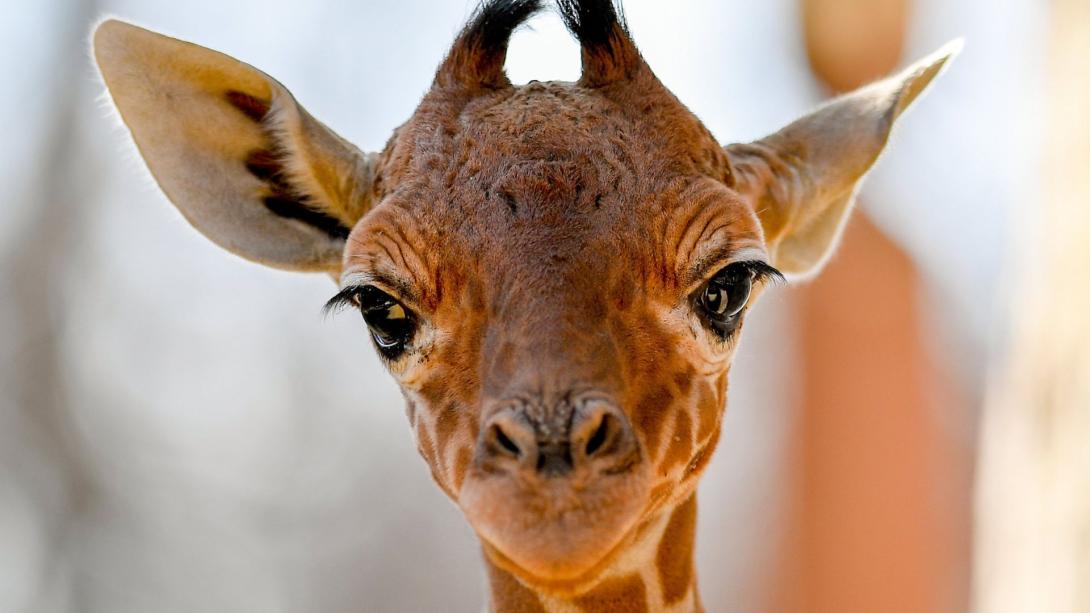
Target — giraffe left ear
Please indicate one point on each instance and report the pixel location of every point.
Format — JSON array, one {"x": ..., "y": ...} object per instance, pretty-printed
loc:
[
  {"x": 802, "y": 180},
  {"x": 233, "y": 150}
]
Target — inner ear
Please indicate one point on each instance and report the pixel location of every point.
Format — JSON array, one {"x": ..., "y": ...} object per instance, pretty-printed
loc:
[
  {"x": 269, "y": 164},
  {"x": 243, "y": 162}
]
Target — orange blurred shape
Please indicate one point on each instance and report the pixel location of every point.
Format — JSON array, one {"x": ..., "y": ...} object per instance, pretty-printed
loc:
[
  {"x": 880, "y": 518},
  {"x": 852, "y": 42}
]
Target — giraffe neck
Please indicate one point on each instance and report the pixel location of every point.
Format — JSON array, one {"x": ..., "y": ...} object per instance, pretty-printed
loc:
[{"x": 655, "y": 573}]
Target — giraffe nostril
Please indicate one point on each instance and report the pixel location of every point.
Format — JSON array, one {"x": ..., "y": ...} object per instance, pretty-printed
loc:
[
  {"x": 601, "y": 433},
  {"x": 602, "y": 436},
  {"x": 505, "y": 441}
]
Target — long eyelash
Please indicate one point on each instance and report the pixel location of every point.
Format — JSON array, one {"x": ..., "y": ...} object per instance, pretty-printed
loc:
[
  {"x": 763, "y": 272},
  {"x": 347, "y": 297}
]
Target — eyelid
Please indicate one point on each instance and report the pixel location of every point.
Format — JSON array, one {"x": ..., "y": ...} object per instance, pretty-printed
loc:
[
  {"x": 396, "y": 286},
  {"x": 752, "y": 259},
  {"x": 719, "y": 258},
  {"x": 762, "y": 272}
]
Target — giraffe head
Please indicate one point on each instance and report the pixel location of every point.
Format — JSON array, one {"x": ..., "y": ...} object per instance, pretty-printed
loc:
[{"x": 556, "y": 274}]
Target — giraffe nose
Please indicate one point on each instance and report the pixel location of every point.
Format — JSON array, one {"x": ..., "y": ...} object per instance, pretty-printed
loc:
[{"x": 596, "y": 435}]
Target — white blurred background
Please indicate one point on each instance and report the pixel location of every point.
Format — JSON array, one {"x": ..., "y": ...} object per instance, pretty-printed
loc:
[{"x": 181, "y": 430}]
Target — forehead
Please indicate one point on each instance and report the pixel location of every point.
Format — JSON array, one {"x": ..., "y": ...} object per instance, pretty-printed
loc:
[{"x": 554, "y": 172}]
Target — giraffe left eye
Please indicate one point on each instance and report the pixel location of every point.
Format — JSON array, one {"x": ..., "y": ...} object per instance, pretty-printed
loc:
[{"x": 391, "y": 324}]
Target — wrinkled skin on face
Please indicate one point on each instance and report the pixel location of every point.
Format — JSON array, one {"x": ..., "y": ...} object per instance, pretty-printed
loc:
[{"x": 547, "y": 265}]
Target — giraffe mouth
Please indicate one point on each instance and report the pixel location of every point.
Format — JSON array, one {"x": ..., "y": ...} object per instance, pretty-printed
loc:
[
  {"x": 562, "y": 586},
  {"x": 555, "y": 534}
]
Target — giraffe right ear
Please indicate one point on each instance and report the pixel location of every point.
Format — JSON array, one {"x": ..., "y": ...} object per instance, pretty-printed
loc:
[{"x": 232, "y": 149}]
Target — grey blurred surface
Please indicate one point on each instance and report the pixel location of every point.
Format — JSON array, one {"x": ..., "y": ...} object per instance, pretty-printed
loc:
[{"x": 181, "y": 430}]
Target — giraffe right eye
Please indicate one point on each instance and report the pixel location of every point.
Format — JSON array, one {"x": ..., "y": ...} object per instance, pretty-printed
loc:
[
  {"x": 724, "y": 297},
  {"x": 390, "y": 323}
]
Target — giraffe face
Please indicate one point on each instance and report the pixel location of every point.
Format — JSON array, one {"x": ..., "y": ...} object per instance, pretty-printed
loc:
[{"x": 567, "y": 286}]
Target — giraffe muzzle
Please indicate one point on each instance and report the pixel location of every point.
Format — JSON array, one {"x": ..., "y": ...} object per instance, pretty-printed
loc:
[{"x": 555, "y": 487}]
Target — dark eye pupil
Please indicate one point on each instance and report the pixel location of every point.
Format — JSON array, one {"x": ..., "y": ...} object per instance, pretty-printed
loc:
[
  {"x": 725, "y": 296},
  {"x": 390, "y": 323},
  {"x": 715, "y": 299}
]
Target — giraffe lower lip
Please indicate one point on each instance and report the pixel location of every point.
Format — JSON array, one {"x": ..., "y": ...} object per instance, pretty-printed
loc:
[
  {"x": 556, "y": 534},
  {"x": 557, "y": 585}
]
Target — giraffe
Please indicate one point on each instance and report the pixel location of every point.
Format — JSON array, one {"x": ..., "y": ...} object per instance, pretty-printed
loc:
[{"x": 556, "y": 274}]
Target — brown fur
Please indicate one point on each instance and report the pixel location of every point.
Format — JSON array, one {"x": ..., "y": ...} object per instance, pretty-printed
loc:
[
  {"x": 549, "y": 240},
  {"x": 508, "y": 594},
  {"x": 622, "y": 595}
]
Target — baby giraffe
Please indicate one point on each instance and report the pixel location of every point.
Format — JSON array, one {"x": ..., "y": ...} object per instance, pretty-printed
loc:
[{"x": 556, "y": 274}]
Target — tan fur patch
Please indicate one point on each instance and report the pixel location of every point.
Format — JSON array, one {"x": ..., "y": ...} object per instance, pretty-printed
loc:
[
  {"x": 675, "y": 555},
  {"x": 708, "y": 408},
  {"x": 681, "y": 444}
]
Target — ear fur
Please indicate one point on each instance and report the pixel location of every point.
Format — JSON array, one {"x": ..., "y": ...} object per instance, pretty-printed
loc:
[
  {"x": 232, "y": 149},
  {"x": 802, "y": 181}
]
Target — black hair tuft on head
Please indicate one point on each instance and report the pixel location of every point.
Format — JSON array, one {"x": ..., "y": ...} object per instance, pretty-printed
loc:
[
  {"x": 608, "y": 52},
  {"x": 495, "y": 20},
  {"x": 593, "y": 22},
  {"x": 478, "y": 54}
]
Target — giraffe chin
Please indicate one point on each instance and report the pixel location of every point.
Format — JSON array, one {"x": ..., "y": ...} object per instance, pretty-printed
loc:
[{"x": 555, "y": 537}]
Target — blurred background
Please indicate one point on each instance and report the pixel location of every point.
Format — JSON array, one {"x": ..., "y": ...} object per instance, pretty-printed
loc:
[{"x": 181, "y": 430}]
